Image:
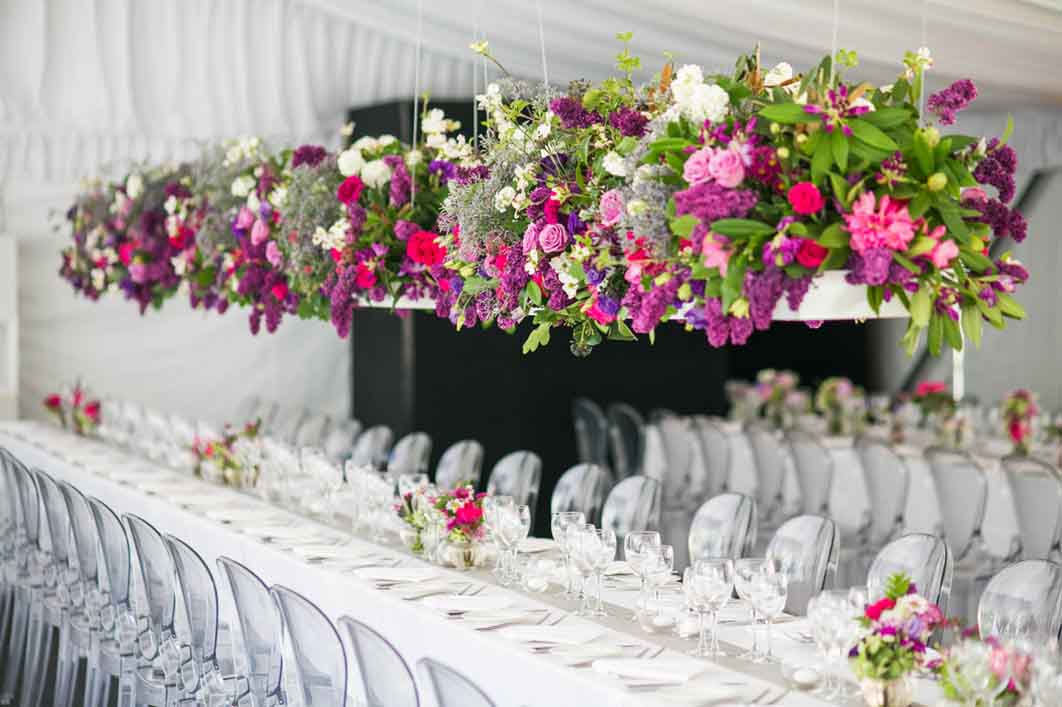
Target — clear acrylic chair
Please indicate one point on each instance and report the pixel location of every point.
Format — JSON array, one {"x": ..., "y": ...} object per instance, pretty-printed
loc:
[
  {"x": 338, "y": 444},
  {"x": 9, "y": 531},
  {"x": 287, "y": 422},
  {"x": 517, "y": 474},
  {"x": 626, "y": 439},
  {"x": 33, "y": 560},
  {"x": 371, "y": 447},
  {"x": 319, "y": 660},
  {"x": 312, "y": 431},
  {"x": 247, "y": 408},
  {"x": 256, "y": 635},
  {"x": 386, "y": 679},
  {"x": 410, "y": 455},
  {"x": 111, "y": 676},
  {"x": 715, "y": 451},
  {"x": 591, "y": 432},
  {"x": 1023, "y": 601},
  {"x": 771, "y": 461},
  {"x": 203, "y": 677},
  {"x": 451, "y": 688},
  {"x": 814, "y": 471},
  {"x": 633, "y": 504},
  {"x": 1036, "y": 488},
  {"x": 462, "y": 462},
  {"x": 658, "y": 414},
  {"x": 724, "y": 526},
  {"x": 159, "y": 653},
  {"x": 581, "y": 488},
  {"x": 888, "y": 480},
  {"x": 962, "y": 497},
  {"x": 805, "y": 548},
  {"x": 682, "y": 483},
  {"x": 924, "y": 558}
]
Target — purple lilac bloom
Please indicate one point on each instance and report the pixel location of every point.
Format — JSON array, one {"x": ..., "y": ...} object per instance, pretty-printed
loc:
[
  {"x": 1003, "y": 220},
  {"x": 870, "y": 268},
  {"x": 572, "y": 114},
  {"x": 763, "y": 290},
  {"x": 719, "y": 327},
  {"x": 795, "y": 290},
  {"x": 653, "y": 305},
  {"x": 952, "y": 99},
  {"x": 468, "y": 175},
  {"x": 630, "y": 122},
  {"x": 445, "y": 169},
  {"x": 710, "y": 202},
  {"x": 538, "y": 198},
  {"x": 310, "y": 155},
  {"x": 404, "y": 229},
  {"x": 997, "y": 169}
]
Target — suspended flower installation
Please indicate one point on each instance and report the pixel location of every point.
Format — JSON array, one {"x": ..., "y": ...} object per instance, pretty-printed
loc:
[{"x": 606, "y": 209}]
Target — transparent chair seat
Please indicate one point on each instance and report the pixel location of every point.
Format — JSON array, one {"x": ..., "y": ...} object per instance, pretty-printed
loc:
[
  {"x": 962, "y": 494},
  {"x": 462, "y": 462},
  {"x": 517, "y": 474},
  {"x": 371, "y": 447},
  {"x": 724, "y": 526},
  {"x": 814, "y": 471},
  {"x": 319, "y": 660},
  {"x": 581, "y": 488},
  {"x": 924, "y": 558},
  {"x": 386, "y": 678},
  {"x": 257, "y": 632},
  {"x": 806, "y": 549},
  {"x": 1036, "y": 488},
  {"x": 451, "y": 688},
  {"x": 633, "y": 504},
  {"x": 1023, "y": 601},
  {"x": 410, "y": 455},
  {"x": 626, "y": 439},
  {"x": 591, "y": 432},
  {"x": 199, "y": 595}
]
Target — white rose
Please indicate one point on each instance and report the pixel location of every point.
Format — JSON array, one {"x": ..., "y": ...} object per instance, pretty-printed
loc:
[
  {"x": 242, "y": 185},
  {"x": 350, "y": 162},
  {"x": 778, "y": 75},
  {"x": 376, "y": 174},
  {"x": 504, "y": 198},
  {"x": 179, "y": 265},
  {"x": 337, "y": 234},
  {"x": 134, "y": 186},
  {"x": 434, "y": 122},
  {"x": 613, "y": 164},
  {"x": 99, "y": 279},
  {"x": 385, "y": 140},
  {"x": 366, "y": 143}
]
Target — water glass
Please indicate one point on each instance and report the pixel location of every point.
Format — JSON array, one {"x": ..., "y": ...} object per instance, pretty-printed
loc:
[
  {"x": 636, "y": 549},
  {"x": 708, "y": 585},
  {"x": 559, "y": 524},
  {"x": 746, "y": 570},
  {"x": 512, "y": 524},
  {"x": 768, "y": 594}
]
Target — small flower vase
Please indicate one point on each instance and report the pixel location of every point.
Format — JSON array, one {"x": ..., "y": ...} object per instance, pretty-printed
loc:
[
  {"x": 411, "y": 538},
  {"x": 461, "y": 554},
  {"x": 887, "y": 693}
]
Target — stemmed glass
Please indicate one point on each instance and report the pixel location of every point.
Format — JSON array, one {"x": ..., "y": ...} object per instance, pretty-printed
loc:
[
  {"x": 583, "y": 546},
  {"x": 513, "y": 525},
  {"x": 708, "y": 585},
  {"x": 606, "y": 553},
  {"x": 636, "y": 548},
  {"x": 411, "y": 483},
  {"x": 491, "y": 505},
  {"x": 746, "y": 570},
  {"x": 559, "y": 524},
  {"x": 659, "y": 564},
  {"x": 768, "y": 594}
]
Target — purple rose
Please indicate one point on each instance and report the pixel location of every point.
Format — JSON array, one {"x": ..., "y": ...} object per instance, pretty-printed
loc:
[
  {"x": 611, "y": 207},
  {"x": 530, "y": 238},
  {"x": 553, "y": 237},
  {"x": 273, "y": 254}
]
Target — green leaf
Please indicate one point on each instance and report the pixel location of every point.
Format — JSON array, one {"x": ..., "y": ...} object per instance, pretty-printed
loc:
[
  {"x": 919, "y": 204},
  {"x": 666, "y": 144},
  {"x": 921, "y": 308},
  {"x": 872, "y": 135},
  {"x": 975, "y": 261},
  {"x": 923, "y": 155},
  {"x": 626, "y": 145},
  {"x": 936, "y": 334},
  {"x": 683, "y": 225},
  {"x": 952, "y": 333},
  {"x": 735, "y": 278},
  {"x": 962, "y": 173},
  {"x": 839, "y": 144},
  {"x": 821, "y": 160},
  {"x": 900, "y": 87},
  {"x": 906, "y": 262},
  {"x": 619, "y": 331},
  {"x": 875, "y": 296},
  {"x": 1010, "y": 307},
  {"x": 972, "y": 324},
  {"x": 836, "y": 259},
  {"x": 1007, "y": 131},
  {"x": 534, "y": 293},
  {"x": 839, "y": 186},
  {"x": 833, "y": 236},
  {"x": 741, "y": 228},
  {"x": 786, "y": 113},
  {"x": 949, "y": 213},
  {"x": 887, "y": 117}
]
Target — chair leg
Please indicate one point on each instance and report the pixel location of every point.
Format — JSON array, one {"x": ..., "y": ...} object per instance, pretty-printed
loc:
[
  {"x": 31, "y": 663},
  {"x": 16, "y": 646}
]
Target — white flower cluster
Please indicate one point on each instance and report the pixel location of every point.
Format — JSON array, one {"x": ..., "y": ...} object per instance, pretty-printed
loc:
[
  {"x": 375, "y": 174},
  {"x": 134, "y": 186},
  {"x": 334, "y": 238},
  {"x": 563, "y": 266},
  {"x": 697, "y": 100},
  {"x": 245, "y": 148}
]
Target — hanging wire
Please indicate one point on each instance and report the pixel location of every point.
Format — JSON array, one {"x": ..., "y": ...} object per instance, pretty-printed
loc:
[
  {"x": 925, "y": 43},
  {"x": 542, "y": 46},
  {"x": 416, "y": 100},
  {"x": 475, "y": 82},
  {"x": 833, "y": 38}
]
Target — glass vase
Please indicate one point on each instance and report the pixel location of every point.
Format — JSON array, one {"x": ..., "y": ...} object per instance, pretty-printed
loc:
[
  {"x": 887, "y": 693},
  {"x": 461, "y": 554}
]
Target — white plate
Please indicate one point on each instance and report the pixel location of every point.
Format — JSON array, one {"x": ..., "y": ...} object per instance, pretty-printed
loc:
[
  {"x": 560, "y": 635},
  {"x": 396, "y": 574},
  {"x": 467, "y": 604}
]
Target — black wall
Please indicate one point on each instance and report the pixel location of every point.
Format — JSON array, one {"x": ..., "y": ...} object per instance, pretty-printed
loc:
[{"x": 418, "y": 373}]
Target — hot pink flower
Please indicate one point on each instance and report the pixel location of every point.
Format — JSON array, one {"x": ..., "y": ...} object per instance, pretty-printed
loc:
[
  {"x": 366, "y": 277},
  {"x": 349, "y": 191},
  {"x": 943, "y": 253},
  {"x": 53, "y": 401},
  {"x": 600, "y": 316},
  {"x": 273, "y": 254},
  {"x": 717, "y": 251},
  {"x": 550, "y": 210},
  {"x": 805, "y": 198},
  {"x": 259, "y": 232},
  {"x": 696, "y": 169},
  {"x": 244, "y": 218},
  {"x": 929, "y": 388},
  {"x": 611, "y": 207},
  {"x": 885, "y": 224},
  {"x": 468, "y": 514},
  {"x": 280, "y": 291},
  {"x": 553, "y": 237},
  {"x": 125, "y": 253},
  {"x": 727, "y": 168},
  {"x": 810, "y": 254}
]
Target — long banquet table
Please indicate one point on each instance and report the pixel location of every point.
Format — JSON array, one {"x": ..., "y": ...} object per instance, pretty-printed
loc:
[{"x": 508, "y": 671}]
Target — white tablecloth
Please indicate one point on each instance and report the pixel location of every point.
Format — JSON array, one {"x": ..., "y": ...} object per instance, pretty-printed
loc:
[{"x": 508, "y": 672}]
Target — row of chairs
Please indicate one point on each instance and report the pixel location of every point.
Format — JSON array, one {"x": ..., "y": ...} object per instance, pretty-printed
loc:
[{"x": 100, "y": 608}]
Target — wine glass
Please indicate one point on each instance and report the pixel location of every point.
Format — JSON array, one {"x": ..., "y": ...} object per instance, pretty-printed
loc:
[
  {"x": 746, "y": 570},
  {"x": 559, "y": 523},
  {"x": 768, "y": 594},
  {"x": 583, "y": 542},
  {"x": 513, "y": 525},
  {"x": 711, "y": 582},
  {"x": 605, "y": 555},
  {"x": 491, "y": 504},
  {"x": 411, "y": 483},
  {"x": 636, "y": 547},
  {"x": 659, "y": 565}
]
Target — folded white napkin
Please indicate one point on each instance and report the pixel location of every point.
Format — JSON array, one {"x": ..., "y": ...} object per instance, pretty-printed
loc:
[
  {"x": 618, "y": 569},
  {"x": 476, "y": 603},
  {"x": 571, "y": 635},
  {"x": 663, "y": 669},
  {"x": 534, "y": 545},
  {"x": 582, "y": 654},
  {"x": 484, "y": 621},
  {"x": 396, "y": 574}
]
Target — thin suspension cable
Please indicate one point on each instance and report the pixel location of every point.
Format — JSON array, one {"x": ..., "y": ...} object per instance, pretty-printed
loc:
[
  {"x": 833, "y": 38},
  {"x": 475, "y": 82},
  {"x": 925, "y": 43},
  {"x": 416, "y": 100},
  {"x": 542, "y": 45}
]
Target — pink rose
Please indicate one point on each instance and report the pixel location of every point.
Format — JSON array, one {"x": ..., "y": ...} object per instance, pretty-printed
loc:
[
  {"x": 805, "y": 198},
  {"x": 611, "y": 207},
  {"x": 138, "y": 272},
  {"x": 943, "y": 253},
  {"x": 259, "y": 232},
  {"x": 553, "y": 237},
  {"x": 273, "y": 254},
  {"x": 974, "y": 193},
  {"x": 727, "y": 168},
  {"x": 530, "y": 238},
  {"x": 696, "y": 169},
  {"x": 244, "y": 218},
  {"x": 716, "y": 250}
]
